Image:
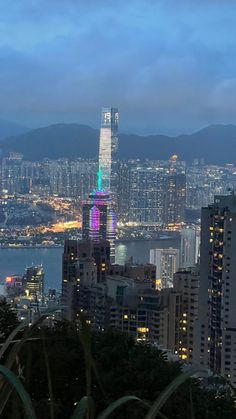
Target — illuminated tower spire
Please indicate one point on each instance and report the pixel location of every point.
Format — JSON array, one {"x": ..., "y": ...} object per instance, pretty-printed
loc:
[
  {"x": 108, "y": 145},
  {"x": 99, "y": 180}
]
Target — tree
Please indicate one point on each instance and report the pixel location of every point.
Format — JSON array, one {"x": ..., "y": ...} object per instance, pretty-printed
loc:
[
  {"x": 8, "y": 320},
  {"x": 123, "y": 367}
]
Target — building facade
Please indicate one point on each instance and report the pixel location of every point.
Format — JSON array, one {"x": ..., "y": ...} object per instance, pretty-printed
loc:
[
  {"x": 216, "y": 328},
  {"x": 147, "y": 194},
  {"x": 99, "y": 219},
  {"x": 108, "y": 147},
  {"x": 167, "y": 263}
]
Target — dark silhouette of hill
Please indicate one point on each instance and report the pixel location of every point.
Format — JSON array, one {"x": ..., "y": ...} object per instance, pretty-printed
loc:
[
  {"x": 8, "y": 128},
  {"x": 55, "y": 141},
  {"x": 216, "y": 144}
]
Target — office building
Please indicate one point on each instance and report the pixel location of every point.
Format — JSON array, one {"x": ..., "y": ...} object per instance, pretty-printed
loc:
[
  {"x": 108, "y": 147},
  {"x": 33, "y": 282},
  {"x": 167, "y": 263},
  {"x": 99, "y": 220},
  {"x": 216, "y": 328}
]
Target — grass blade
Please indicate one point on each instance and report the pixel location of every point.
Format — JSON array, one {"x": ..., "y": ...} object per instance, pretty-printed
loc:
[
  {"x": 22, "y": 393},
  {"x": 6, "y": 391},
  {"x": 81, "y": 409},
  {"x": 164, "y": 396},
  {"x": 49, "y": 378},
  {"x": 11, "y": 337},
  {"x": 119, "y": 402}
]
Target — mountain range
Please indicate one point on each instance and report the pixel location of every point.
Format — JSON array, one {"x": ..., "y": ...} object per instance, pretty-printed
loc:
[
  {"x": 215, "y": 143},
  {"x": 8, "y": 128}
]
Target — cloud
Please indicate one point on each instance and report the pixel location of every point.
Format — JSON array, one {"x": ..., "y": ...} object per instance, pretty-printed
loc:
[{"x": 165, "y": 67}]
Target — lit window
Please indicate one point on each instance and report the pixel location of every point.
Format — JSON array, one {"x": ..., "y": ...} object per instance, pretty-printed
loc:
[{"x": 143, "y": 329}]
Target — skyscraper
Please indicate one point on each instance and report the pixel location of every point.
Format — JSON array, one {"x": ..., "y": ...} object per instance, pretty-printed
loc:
[
  {"x": 176, "y": 192},
  {"x": 108, "y": 147},
  {"x": 33, "y": 281},
  {"x": 216, "y": 337},
  {"x": 84, "y": 265},
  {"x": 175, "y": 198},
  {"x": 186, "y": 284},
  {"x": 99, "y": 219}
]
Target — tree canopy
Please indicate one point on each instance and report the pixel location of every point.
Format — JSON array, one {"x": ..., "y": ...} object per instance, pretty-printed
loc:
[{"x": 122, "y": 367}]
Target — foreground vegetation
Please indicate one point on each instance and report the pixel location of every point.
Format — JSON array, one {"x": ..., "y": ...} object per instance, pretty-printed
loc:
[{"x": 67, "y": 372}]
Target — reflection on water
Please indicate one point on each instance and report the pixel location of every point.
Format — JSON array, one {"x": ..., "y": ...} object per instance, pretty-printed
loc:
[
  {"x": 121, "y": 253},
  {"x": 140, "y": 249}
]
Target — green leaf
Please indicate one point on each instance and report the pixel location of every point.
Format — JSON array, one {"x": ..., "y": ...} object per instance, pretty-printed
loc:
[
  {"x": 81, "y": 409},
  {"x": 164, "y": 396},
  {"x": 22, "y": 393},
  {"x": 11, "y": 337},
  {"x": 113, "y": 406},
  {"x": 6, "y": 391}
]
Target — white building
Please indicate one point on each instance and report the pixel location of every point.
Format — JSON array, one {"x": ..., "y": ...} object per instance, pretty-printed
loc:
[
  {"x": 189, "y": 247},
  {"x": 108, "y": 146}
]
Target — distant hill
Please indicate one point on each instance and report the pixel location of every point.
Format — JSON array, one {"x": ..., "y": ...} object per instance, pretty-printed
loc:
[
  {"x": 216, "y": 144},
  {"x": 55, "y": 141},
  {"x": 8, "y": 129}
]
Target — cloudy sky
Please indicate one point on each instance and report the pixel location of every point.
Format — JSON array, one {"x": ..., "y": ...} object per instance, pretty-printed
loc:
[{"x": 169, "y": 65}]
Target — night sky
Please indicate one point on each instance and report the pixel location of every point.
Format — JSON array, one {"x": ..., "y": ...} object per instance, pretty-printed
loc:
[{"x": 169, "y": 66}]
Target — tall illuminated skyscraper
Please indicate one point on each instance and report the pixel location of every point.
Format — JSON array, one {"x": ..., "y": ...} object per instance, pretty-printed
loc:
[
  {"x": 108, "y": 147},
  {"x": 99, "y": 219}
]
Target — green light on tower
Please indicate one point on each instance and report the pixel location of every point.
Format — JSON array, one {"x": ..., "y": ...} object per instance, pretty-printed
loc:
[{"x": 99, "y": 180}]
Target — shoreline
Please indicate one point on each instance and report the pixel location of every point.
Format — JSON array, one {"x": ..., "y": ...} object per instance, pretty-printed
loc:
[{"x": 118, "y": 241}]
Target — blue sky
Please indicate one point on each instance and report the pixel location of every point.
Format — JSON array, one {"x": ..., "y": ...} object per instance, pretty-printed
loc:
[{"x": 170, "y": 66}]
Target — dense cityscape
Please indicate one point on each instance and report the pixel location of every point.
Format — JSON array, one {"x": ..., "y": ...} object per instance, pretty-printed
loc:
[
  {"x": 88, "y": 205},
  {"x": 117, "y": 210}
]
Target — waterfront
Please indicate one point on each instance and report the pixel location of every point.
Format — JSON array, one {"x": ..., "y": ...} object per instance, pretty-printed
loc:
[{"x": 14, "y": 261}]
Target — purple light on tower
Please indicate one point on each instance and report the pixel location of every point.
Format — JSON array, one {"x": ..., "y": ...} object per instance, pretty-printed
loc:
[{"x": 95, "y": 219}]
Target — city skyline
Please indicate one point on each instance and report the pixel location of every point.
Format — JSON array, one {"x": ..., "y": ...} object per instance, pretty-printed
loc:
[{"x": 118, "y": 241}]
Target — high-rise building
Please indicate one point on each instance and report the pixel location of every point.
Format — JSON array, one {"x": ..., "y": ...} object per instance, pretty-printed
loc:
[
  {"x": 123, "y": 191},
  {"x": 176, "y": 192},
  {"x": 147, "y": 194},
  {"x": 33, "y": 281},
  {"x": 186, "y": 284},
  {"x": 167, "y": 263},
  {"x": 84, "y": 265},
  {"x": 189, "y": 246},
  {"x": 99, "y": 219},
  {"x": 108, "y": 147},
  {"x": 79, "y": 272},
  {"x": 175, "y": 198},
  {"x": 216, "y": 338},
  {"x": 133, "y": 307}
]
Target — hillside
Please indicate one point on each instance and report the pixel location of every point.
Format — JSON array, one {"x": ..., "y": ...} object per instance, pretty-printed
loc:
[
  {"x": 216, "y": 144},
  {"x": 8, "y": 128}
]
